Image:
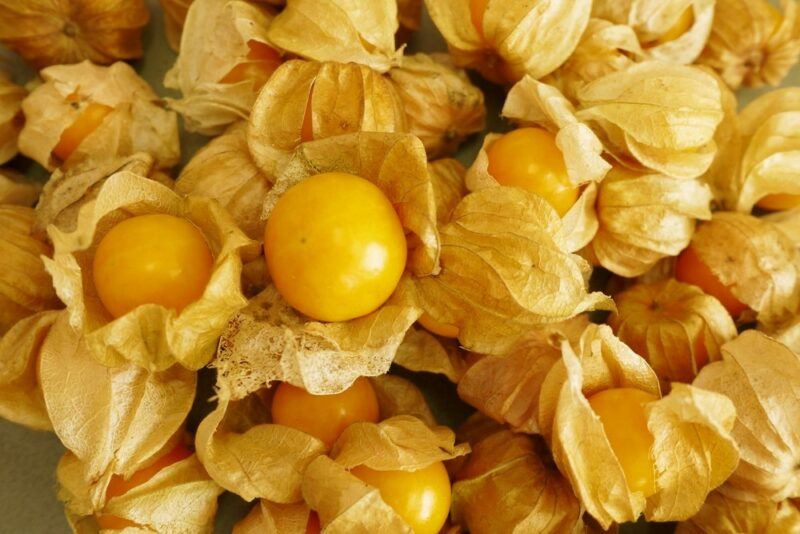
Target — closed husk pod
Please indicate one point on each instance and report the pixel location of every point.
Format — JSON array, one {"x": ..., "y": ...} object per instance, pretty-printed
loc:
[
  {"x": 509, "y": 484},
  {"x": 752, "y": 42},
  {"x": 672, "y": 30},
  {"x": 760, "y": 376},
  {"x": 724, "y": 515},
  {"x": 174, "y": 19},
  {"x": 362, "y": 34},
  {"x": 676, "y": 327},
  {"x": 294, "y": 107},
  {"x": 224, "y": 60},
  {"x": 691, "y": 452},
  {"x": 17, "y": 189},
  {"x": 644, "y": 218},
  {"x": 508, "y": 39},
  {"x": 11, "y": 119},
  {"x": 125, "y": 115},
  {"x": 657, "y": 116},
  {"x": 50, "y": 33},
  {"x": 149, "y": 335},
  {"x": 441, "y": 105},
  {"x": 758, "y": 263}
]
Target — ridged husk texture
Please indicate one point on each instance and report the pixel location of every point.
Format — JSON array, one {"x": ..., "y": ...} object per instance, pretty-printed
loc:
[
  {"x": 272, "y": 518},
  {"x": 174, "y": 19},
  {"x": 723, "y": 515},
  {"x": 11, "y": 96}
]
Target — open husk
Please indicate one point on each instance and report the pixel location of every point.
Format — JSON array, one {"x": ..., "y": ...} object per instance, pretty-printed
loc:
[
  {"x": 25, "y": 286},
  {"x": 758, "y": 263},
  {"x": 223, "y": 170},
  {"x": 771, "y": 160},
  {"x": 339, "y": 30},
  {"x": 137, "y": 123},
  {"x": 509, "y": 484},
  {"x": 151, "y": 335},
  {"x": 421, "y": 351},
  {"x": 654, "y": 21},
  {"x": 180, "y": 498},
  {"x": 644, "y": 218},
  {"x": 364, "y": 101},
  {"x": 515, "y": 39},
  {"x": 273, "y": 518},
  {"x": 112, "y": 419},
  {"x": 11, "y": 119},
  {"x": 344, "y": 503},
  {"x": 17, "y": 189},
  {"x": 676, "y": 327},
  {"x": 752, "y": 42},
  {"x": 655, "y": 115},
  {"x": 723, "y": 515},
  {"x": 449, "y": 186},
  {"x": 50, "y": 33},
  {"x": 693, "y": 451},
  {"x": 174, "y": 19},
  {"x": 21, "y": 399},
  {"x": 215, "y": 40},
  {"x": 760, "y": 376},
  {"x": 442, "y": 107}
]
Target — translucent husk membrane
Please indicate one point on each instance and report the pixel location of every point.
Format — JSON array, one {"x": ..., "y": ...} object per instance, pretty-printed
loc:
[{"x": 724, "y": 515}]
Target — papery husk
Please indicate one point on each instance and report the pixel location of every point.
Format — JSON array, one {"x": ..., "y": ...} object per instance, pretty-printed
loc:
[
  {"x": 534, "y": 103},
  {"x": 447, "y": 178},
  {"x": 339, "y": 30},
  {"x": 409, "y": 14},
  {"x": 68, "y": 190},
  {"x": 760, "y": 376},
  {"x": 151, "y": 335},
  {"x": 442, "y": 107},
  {"x": 17, "y": 189},
  {"x": 179, "y": 499},
  {"x": 510, "y": 485},
  {"x": 247, "y": 455},
  {"x": 364, "y": 101},
  {"x": 215, "y": 40},
  {"x": 693, "y": 451},
  {"x": 758, "y": 263},
  {"x": 113, "y": 419},
  {"x": 752, "y": 42},
  {"x": 11, "y": 119},
  {"x": 25, "y": 286},
  {"x": 644, "y": 218},
  {"x": 676, "y": 327},
  {"x": 771, "y": 160},
  {"x": 421, "y": 351},
  {"x": 497, "y": 284},
  {"x": 174, "y": 19},
  {"x": 347, "y": 505},
  {"x": 223, "y": 170},
  {"x": 723, "y": 515},
  {"x": 655, "y": 115},
  {"x": 398, "y": 396},
  {"x": 788, "y": 334},
  {"x": 604, "y": 48},
  {"x": 49, "y": 33},
  {"x": 651, "y": 19},
  {"x": 518, "y": 38},
  {"x": 21, "y": 399},
  {"x": 787, "y": 222},
  {"x": 138, "y": 122},
  {"x": 506, "y": 388},
  {"x": 272, "y": 518}
]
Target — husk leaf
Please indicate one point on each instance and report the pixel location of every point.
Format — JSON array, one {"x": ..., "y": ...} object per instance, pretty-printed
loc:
[
  {"x": 644, "y": 218},
  {"x": 21, "y": 399},
  {"x": 339, "y": 30},
  {"x": 272, "y": 518},
  {"x": 442, "y": 107},
  {"x": 215, "y": 40},
  {"x": 137, "y": 123},
  {"x": 398, "y": 396},
  {"x": 174, "y": 18},
  {"x": 676, "y": 327},
  {"x": 422, "y": 351},
  {"x": 364, "y": 101},
  {"x": 179, "y": 499},
  {"x": 723, "y": 515},
  {"x": 25, "y": 286},
  {"x": 752, "y": 42},
  {"x": 47, "y": 33},
  {"x": 17, "y": 189},
  {"x": 759, "y": 263},
  {"x": 656, "y": 115},
  {"x": 11, "y": 96},
  {"x": 760, "y": 376},
  {"x": 151, "y": 335},
  {"x": 788, "y": 334},
  {"x": 447, "y": 179}
]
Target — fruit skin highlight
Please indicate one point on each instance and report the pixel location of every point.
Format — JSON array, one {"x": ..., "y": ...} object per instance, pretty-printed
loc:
[
  {"x": 689, "y": 269},
  {"x": 74, "y": 134},
  {"x": 421, "y": 498},
  {"x": 151, "y": 259},
  {"x": 335, "y": 247},
  {"x": 325, "y": 416},
  {"x": 529, "y": 158},
  {"x": 621, "y": 410}
]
